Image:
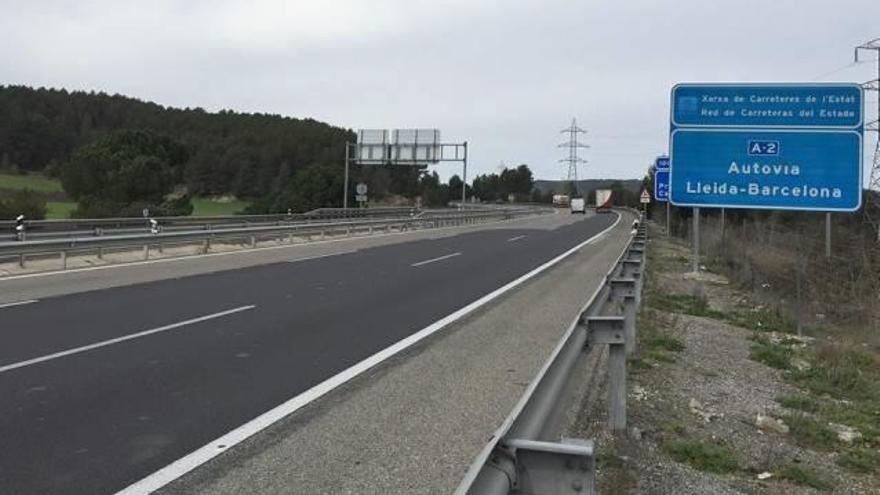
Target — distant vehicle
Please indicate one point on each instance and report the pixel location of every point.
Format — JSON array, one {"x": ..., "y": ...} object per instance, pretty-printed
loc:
[
  {"x": 603, "y": 200},
  {"x": 561, "y": 200},
  {"x": 579, "y": 205}
]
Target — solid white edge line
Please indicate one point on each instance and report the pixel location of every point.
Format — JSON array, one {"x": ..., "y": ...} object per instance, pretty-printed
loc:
[
  {"x": 249, "y": 250},
  {"x": 105, "y": 343},
  {"x": 18, "y": 303},
  {"x": 439, "y": 258},
  {"x": 512, "y": 239},
  {"x": 207, "y": 452},
  {"x": 320, "y": 256}
]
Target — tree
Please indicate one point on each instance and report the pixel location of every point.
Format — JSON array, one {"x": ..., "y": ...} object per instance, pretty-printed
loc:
[
  {"x": 124, "y": 170},
  {"x": 229, "y": 152},
  {"x": 312, "y": 187},
  {"x": 455, "y": 184},
  {"x": 29, "y": 203},
  {"x": 433, "y": 192},
  {"x": 517, "y": 180}
]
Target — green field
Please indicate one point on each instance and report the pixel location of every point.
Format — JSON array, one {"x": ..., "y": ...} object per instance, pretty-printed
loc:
[
  {"x": 33, "y": 182},
  {"x": 202, "y": 207},
  {"x": 206, "y": 207},
  {"x": 59, "y": 209}
]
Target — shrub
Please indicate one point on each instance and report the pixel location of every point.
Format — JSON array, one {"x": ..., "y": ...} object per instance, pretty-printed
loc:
[{"x": 702, "y": 456}]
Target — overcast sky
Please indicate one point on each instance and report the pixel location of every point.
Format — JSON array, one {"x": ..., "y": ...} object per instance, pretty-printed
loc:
[{"x": 506, "y": 76}]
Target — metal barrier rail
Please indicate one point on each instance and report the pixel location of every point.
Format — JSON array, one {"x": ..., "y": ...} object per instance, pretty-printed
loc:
[
  {"x": 97, "y": 226},
  {"x": 62, "y": 247},
  {"x": 526, "y": 455}
]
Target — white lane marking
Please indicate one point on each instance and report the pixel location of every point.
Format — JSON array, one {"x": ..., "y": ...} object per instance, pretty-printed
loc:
[
  {"x": 18, "y": 303},
  {"x": 256, "y": 250},
  {"x": 207, "y": 452},
  {"x": 514, "y": 239},
  {"x": 317, "y": 257},
  {"x": 105, "y": 343},
  {"x": 432, "y": 260}
]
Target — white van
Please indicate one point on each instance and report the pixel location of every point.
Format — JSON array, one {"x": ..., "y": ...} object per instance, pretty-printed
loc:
[{"x": 578, "y": 205}]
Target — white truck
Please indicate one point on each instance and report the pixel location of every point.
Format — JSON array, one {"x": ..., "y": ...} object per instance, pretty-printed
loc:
[
  {"x": 579, "y": 205},
  {"x": 603, "y": 200}
]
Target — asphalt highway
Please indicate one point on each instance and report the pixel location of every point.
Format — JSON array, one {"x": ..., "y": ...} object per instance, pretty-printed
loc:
[{"x": 101, "y": 388}]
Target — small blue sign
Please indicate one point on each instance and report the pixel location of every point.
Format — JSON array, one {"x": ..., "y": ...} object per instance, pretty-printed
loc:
[
  {"x": 763, "y": 148},
  {"x": 662, "y": 163},
  {"x": 790, "y": 147},
  {"x": 661, "y": 185}
]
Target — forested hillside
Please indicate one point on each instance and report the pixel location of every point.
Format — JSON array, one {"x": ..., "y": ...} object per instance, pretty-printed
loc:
[
  {"x": 117, "y": 155},
  {"x": 247, "y": 155}
]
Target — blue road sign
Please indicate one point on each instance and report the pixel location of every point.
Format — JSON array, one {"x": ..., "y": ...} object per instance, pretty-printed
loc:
[
  {"x": 661, "y": 185},
  {"x": 794, "y": 147},
  {"x": 661, "y": 163}
]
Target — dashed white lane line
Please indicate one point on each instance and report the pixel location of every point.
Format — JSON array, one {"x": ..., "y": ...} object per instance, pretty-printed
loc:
[
  {"x": 105, "y": 343},
  {"x": 18, "y": 303},
  {"x": 432, "y": 260},
  {"x": 514, "y": 239}
]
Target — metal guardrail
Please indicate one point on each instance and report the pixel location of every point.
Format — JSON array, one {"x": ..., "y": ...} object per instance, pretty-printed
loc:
[
  {"x": 250, "y": 236},
  {"x": 103, "y": 226},
  {"x": 526, "y": 454}
]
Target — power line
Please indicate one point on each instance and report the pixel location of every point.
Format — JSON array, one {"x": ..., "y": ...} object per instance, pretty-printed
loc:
[{"x": 839, "y": 69}]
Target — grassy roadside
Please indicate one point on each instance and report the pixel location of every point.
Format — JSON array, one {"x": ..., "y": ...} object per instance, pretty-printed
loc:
[{"x": 711, "y": 356}]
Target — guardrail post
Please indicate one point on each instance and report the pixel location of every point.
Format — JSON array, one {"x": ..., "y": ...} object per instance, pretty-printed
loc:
[
  {"x": 64, "y": 260},
  {"x": 623, "y": 290},
  {"x": 631, "y": 268},
  {"x": 567, "y": 467},
  {"x": 611, "y": 330},
  {"x": 21, "y": 260}
]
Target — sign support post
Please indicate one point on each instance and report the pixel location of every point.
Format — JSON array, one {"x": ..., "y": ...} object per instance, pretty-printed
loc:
[
  {"x": 345, "y": 191},
  {"x": 828, "y": 234},
  {"x": 464, "y": 178},
  {"x": 667, "y": 218},
  {"x": 696, "y": 234}
]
